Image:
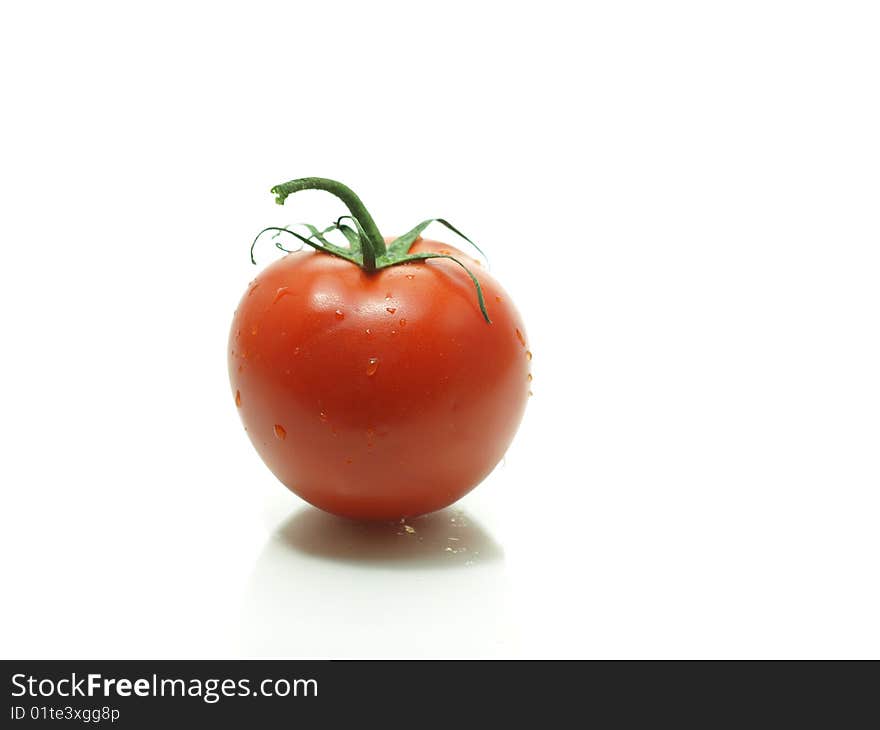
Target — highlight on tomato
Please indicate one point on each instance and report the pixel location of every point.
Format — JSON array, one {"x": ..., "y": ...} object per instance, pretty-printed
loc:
[{"x": 378, "y": 379}]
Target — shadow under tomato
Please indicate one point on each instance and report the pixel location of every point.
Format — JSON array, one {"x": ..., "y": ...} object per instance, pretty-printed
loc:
[
  {"x": 325, "y": 587},
  {"x": 449, "y": 538}
]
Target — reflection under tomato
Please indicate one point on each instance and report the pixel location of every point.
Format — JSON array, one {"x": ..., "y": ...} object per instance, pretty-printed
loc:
[{"x": 432, "y": 586}]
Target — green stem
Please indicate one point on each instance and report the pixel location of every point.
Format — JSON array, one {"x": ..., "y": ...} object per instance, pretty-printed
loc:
[
  {"x": 366, "y": 247},
  {"x": 373, "y": 243}
]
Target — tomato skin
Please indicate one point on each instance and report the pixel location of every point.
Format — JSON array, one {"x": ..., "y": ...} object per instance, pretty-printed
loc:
[{"x": 378, "y": 395}]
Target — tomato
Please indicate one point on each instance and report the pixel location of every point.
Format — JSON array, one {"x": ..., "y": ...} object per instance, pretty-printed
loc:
[{"x": 378, "y": 394}]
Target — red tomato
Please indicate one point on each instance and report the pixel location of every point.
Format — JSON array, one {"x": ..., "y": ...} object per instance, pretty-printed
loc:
[{"x": 378, "y": 395}]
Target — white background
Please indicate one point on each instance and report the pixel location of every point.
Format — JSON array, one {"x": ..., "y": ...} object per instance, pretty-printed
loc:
[{"x": 681, "y": 197}]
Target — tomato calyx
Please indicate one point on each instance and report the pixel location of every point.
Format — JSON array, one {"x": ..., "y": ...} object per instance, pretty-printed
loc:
[{"x": 366, "y": 246}]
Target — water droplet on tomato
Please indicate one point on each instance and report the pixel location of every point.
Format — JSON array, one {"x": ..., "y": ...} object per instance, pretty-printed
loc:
[
  {"x": 530, "y": 377},
  {"x": 368, "y": 331},
  {"x": 280, "y": 293},
  {"x": 280, "y": 432},
  {"x": 391, "y": 310},
  {"x": 519, "y": 336},
  {"x": 372, "y": 365},
  {"x": 403, "y": 323},
  {"x": 339, "y": 314},
  {"x": 498, "y": 299},
  {"x": 322, "y": 416},
  {"x": 388, "y": 296},
  {"x": 528, "y": 354},
  {"x": 410, "y": 276},
  {"x": 254, "y": 330},
  {"x": 237, "y": 399}
]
